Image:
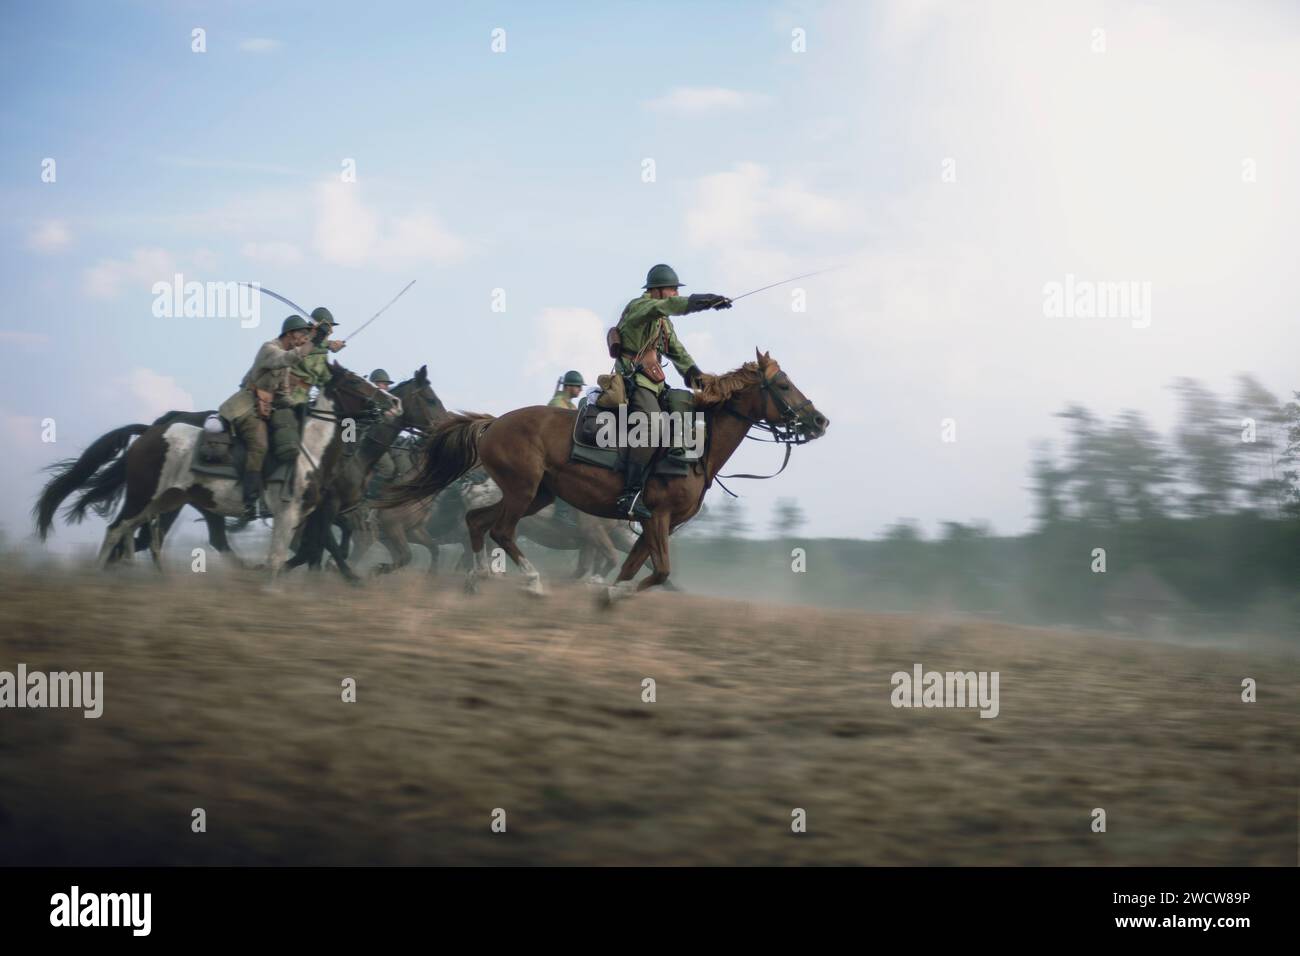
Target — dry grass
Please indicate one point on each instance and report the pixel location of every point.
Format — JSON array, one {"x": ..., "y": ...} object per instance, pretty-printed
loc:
[{"x": 222, "y": 696}]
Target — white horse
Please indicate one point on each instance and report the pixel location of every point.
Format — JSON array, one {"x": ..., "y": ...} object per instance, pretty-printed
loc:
[{"x": 159, "y": 477}]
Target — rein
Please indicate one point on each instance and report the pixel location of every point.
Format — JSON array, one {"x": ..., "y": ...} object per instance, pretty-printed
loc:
[{"x": 783, "y": 432}]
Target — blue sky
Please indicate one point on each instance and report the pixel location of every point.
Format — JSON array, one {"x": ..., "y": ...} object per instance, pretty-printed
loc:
[{"x": 522, "y": 171}]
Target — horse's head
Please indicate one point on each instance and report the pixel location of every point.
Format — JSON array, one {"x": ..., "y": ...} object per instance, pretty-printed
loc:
[
  {"x": 352, "y": 395},
  {"x": 761, "y": 392},
  {"x": 422, "y": 410}
]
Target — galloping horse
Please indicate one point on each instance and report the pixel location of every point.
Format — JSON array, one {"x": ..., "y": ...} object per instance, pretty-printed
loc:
[
  {"x": 527, "y": 453},
  {"x": 159, "y": 478},
  {"x": 421, "y": 411}
]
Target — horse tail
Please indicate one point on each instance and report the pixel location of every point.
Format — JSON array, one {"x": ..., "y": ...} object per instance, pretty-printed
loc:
[
  {"x": 452, "y": 451},
  {"x": 74, "y": 473}
]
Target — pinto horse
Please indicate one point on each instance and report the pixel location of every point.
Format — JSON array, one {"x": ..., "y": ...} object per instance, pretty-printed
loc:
[
  {"x": 527, "y": 453},
  {"x": 159, "y": 478}
]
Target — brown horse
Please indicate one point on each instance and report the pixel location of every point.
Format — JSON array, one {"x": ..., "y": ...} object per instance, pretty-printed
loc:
[{"x": 527, "y": 453}]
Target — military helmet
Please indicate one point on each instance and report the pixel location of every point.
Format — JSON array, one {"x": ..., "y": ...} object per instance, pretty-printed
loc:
[
  {"x": 321, "y": 314},
  {"x": 661, "y": 276},
  {"x": 573, "y": 377},
  {"x": 379, "y": 375},
  {"x": 293, "y": 323}
]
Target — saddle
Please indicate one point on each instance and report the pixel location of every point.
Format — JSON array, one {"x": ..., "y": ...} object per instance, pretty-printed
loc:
[
  {"x": 673, "y": 462},
  {"x": 220, "y": 452}
]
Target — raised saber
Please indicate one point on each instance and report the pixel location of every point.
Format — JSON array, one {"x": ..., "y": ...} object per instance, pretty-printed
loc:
[
  {"x": 806, "y": 275},
  {"x": 381, "y": 311},
  {"x": 275, "y": 295}
]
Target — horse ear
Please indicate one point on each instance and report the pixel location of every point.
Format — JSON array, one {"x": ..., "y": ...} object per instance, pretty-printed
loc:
[
  {"x": 758, "y": 357},
  {"x": 422, "y": 373}
]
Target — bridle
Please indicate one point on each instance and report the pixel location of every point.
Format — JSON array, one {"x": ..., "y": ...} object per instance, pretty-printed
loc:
[
  {"x": 785, "y": 432},
  {"x": 422, "y": 431}
]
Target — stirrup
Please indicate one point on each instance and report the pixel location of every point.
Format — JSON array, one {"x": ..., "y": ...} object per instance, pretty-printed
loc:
[{"x": 634, "y": 506}]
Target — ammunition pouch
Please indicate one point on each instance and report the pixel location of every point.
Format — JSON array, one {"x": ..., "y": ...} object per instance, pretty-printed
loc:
[{"x": 284, "y": 434}]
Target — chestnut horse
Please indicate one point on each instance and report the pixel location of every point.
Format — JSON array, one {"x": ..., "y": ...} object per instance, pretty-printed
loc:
[{"x": 527, "y": 453}]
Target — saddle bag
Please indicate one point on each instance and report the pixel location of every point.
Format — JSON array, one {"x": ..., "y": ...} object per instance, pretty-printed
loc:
[
  {"x": 215, "y": 442},
  {"x": 614, "y": 341},
  {"x": 613, "y": 391}
]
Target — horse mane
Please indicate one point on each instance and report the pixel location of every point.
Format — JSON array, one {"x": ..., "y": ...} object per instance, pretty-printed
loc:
[{"x": 716, "y": 389}]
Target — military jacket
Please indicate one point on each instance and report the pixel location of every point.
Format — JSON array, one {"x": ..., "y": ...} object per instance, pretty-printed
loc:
[{"x": 646, "y": 320}]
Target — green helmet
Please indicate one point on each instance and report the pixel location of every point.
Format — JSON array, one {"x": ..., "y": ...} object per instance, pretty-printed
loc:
[
  {"x": 322, "y": 314},
  {"x": 573, "y": 377},
  {"x": 660, "y": 276},
  {"x": 293, "y": 323},
  {"x": 379, "y": 375}
]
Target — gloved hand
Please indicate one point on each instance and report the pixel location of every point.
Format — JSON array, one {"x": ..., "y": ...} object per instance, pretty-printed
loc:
[
  {"x": 692, "y": 376},
  {"x": 699, "y": 301}
]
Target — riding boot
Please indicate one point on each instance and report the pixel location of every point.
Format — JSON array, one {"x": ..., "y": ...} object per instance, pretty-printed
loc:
[
  {"x": 252, "y": 493},
  {"x": 630, "y": 502}
]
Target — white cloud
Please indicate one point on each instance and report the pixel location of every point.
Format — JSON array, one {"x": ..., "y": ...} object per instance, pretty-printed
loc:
[
  {"x": 154, "y": 393},
  {"x": 350, "y": 233},
  {"x": 105, "y": 279},
  {"x": 259, "y": 45},
  {"x": 743, "y": 207},
  {"x": 272, "y": 253},
  {"x": 570, "y": 338},
  {"x": 702, "y": 99},
  {"x": 52, "y": 235}
]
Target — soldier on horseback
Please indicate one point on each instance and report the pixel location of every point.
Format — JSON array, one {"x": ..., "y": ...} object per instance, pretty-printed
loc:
[
  {"x": 570, "y": 387},
  {"x": 266, "y": 384},
  {"x": 644, "y": 333}
]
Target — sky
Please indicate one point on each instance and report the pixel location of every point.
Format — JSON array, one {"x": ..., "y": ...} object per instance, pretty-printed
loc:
[{"x": 527, "y": 163}]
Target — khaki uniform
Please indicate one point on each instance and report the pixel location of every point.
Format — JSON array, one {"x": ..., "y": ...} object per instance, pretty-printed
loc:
[
  {"x": 645, "y": 325},
  {"x": 646, "y": 329},
  {"x": 561, "y": 400},
  {"x": 267, "y": 382}
]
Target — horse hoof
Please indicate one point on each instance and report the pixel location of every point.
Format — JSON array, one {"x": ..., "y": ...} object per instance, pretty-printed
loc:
[
  {"x": 534, "y": 587},
  {"x": 471, "y": 583}
]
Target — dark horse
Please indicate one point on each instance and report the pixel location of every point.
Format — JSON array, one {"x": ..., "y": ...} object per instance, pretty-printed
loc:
[
  {"x": 421, "y": 411},
  {"x": 527, "y": 453}
]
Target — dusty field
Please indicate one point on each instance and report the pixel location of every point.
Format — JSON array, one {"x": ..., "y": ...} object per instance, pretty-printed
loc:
[{"x": 224, "y": 697}]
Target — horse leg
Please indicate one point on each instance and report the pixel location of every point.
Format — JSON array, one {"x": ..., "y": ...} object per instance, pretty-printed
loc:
[
  {"x": 511, "y": 509},
  {"x": 339, "y": 553},
  {"x": 635, "y": 558},
  {"x": 217, "y": 537},
  {"x": 477, "y": 521},
  {"x": 156, "y": 533},
  {"x": 420, "y": 535},
  {"x": 657, "y": 531},
  {"x": 287, "y": 517}
]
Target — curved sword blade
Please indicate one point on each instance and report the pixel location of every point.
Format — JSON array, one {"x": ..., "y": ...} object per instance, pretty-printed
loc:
[{"x": 275, "y": 295}]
